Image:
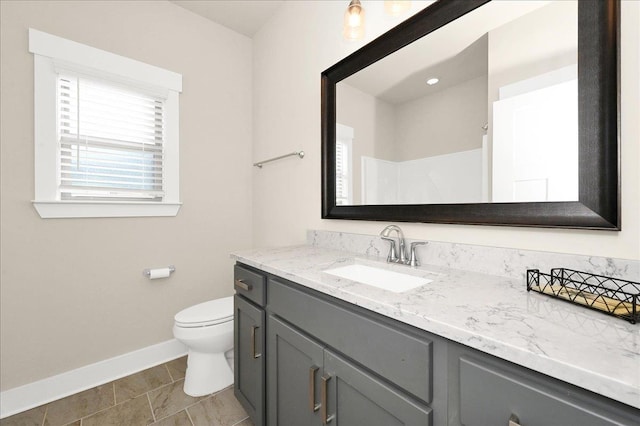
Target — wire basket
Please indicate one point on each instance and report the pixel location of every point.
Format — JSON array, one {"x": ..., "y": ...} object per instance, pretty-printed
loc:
[{"x": 612, "y": 296}]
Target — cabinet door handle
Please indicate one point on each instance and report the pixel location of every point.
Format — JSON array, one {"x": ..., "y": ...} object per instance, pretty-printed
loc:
[
  {"x": 242, "y": 285},
  {"x": 312, "y": 389},
  {"x": 253, "y": 342},
  {"x": 323, "y": 400},
  {"x": 514, "y": 420}
]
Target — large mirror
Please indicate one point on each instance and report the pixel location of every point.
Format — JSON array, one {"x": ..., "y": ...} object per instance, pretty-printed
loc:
[{"x": 478, "y": 112}]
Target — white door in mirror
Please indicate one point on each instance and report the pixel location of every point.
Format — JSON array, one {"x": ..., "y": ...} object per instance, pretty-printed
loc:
[{"x": 535, "y": 145}]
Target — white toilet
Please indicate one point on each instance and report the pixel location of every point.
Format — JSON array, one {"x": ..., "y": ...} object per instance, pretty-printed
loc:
[{"x": 207, "y": 330}]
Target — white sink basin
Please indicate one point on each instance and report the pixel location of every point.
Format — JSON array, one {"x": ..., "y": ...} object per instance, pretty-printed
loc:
[{"x": 380, "y": 278}]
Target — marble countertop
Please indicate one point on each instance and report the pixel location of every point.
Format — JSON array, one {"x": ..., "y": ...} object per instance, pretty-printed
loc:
[{"x": 490, "y": 313}]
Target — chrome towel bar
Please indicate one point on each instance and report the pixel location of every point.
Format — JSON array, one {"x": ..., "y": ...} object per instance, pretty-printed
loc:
[{"x": 298, "y": 153}]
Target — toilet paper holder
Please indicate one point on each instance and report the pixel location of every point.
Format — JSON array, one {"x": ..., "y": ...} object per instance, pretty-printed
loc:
[{"x": 147, "y": 272}]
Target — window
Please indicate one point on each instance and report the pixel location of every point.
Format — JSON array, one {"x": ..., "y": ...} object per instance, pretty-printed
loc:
[
  {"x": 106, "y": 133},
  {"x": 344, "y": 180},
  {"x": 110, "y": 140}
]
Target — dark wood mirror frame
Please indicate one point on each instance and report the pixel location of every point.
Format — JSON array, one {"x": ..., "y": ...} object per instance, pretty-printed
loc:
[{"x": 598, "y": 87}]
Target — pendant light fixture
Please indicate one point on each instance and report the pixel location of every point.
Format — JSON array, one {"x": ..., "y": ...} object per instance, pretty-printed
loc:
[
  {"x": 396, "y": 7},
  {"x": 353, "y": 28}
]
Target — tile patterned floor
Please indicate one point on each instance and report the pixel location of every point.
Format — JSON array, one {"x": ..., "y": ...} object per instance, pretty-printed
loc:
[{"x": 150, "y": 397}]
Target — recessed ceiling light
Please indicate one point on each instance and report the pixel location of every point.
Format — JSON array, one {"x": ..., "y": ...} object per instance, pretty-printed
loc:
[{"x": 432, "y": 81}]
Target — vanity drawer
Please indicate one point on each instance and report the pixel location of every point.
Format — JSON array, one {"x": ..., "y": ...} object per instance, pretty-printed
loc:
[
  {"x": 249, "y": 284},
  {"x": 398, "y": 356},
  {"x": 490, "y": 394}
]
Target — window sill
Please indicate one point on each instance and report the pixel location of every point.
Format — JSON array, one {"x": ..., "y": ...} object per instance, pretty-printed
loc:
[{"x": 77, "y": 209}]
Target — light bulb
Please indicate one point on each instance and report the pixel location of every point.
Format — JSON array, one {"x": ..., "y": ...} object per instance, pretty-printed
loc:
[
  {"x": 353, "y": 28},
  {"x": 354, "y": 19}
]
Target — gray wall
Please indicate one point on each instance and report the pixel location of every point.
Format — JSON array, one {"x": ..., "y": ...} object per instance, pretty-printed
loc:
[
  {"x": 301, "y": 41},
  {"x": 445, "y": 122},
  {"x": 72, "y": 290}
]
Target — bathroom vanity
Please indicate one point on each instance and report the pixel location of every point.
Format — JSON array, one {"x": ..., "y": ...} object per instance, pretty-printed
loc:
[{"x": 464, "y": 349}]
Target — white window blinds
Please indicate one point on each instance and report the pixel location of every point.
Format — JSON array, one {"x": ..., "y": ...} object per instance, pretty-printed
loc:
[
  {"x": 342, "y": 173},
  {"x": 110, "y": 141}
]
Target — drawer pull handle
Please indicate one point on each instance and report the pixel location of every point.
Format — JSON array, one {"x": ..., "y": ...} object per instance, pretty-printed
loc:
[
  {"x": 514, "y": 420},
  {"x": 253, "y": 342},
  {"x": 312, "y": 389},
  {"x": 323, "y": 402},
  {"x": 243, "y": 286}
]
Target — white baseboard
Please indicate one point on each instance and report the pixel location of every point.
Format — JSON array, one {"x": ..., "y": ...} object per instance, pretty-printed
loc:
[{"x": 34, "y": 394}]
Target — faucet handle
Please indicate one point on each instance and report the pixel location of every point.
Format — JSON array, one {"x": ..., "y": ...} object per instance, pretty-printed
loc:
[
  {"x": 393, "y": 257},
  {"x": 414, "y": 258}
]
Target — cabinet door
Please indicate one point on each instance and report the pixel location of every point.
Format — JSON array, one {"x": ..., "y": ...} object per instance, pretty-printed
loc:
[
  {"x": 249, "y": 358},
  {"x": 353, "y": 397},
  {"x": 293, "y": 373}
]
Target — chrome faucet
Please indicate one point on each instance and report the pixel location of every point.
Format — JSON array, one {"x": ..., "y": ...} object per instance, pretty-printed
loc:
[{"x": 393, "y": 257}]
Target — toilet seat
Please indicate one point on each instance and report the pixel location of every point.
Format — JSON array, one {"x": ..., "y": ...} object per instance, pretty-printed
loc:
[{"x": 206, "y": 314}]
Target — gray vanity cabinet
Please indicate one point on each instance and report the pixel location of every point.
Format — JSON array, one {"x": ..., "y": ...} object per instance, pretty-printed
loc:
[
  {"x": 329, "y": 361},
  {"x": 309, "y": 384},
  {"x": 339, "y": 367},
  {"x": 249, "y": 342}
]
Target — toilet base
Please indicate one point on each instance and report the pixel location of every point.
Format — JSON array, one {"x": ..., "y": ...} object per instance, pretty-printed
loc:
[{"x": 206, "y": 373}]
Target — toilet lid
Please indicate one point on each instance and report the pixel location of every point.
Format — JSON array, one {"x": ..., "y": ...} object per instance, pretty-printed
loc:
[{"x": 208, "y": 313}]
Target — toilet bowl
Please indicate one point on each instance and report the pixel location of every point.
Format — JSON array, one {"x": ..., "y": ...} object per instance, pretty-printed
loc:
[{"x": 207, "y": 331}]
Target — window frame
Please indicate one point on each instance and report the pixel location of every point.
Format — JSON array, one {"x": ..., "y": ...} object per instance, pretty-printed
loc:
[{"x": 52, "y": 54}]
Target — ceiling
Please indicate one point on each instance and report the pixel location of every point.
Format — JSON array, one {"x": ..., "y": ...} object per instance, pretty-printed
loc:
[
  {"x": 243, "y": 16},
  {"x": 454, "y": 53}
]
